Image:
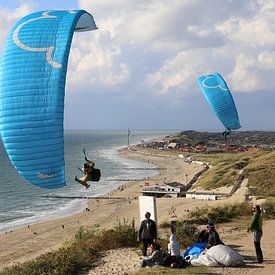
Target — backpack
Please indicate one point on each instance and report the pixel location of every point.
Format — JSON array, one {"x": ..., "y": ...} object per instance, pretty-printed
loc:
[{"x": 95, "y": 174}]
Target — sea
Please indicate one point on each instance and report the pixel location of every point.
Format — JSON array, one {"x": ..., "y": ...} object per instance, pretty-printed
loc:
[{"x": 23, "y": 204}]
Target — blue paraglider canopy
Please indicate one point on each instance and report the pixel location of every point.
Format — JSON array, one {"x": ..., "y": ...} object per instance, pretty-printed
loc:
[
  {"x": 32, "y": 86},
  {"x": 194, "y": 249},
  {"x": 218, "y": 96}
]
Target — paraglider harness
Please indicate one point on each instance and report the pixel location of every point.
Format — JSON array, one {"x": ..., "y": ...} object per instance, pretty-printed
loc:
[
  {"x": 226, "y": 133},
  {"x": 94, "y": 174}
]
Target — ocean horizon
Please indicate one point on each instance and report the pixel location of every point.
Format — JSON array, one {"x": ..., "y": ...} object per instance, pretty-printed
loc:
[{"x": 23, "y": 204}]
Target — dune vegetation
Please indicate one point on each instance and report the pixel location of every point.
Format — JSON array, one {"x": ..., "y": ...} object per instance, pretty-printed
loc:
[
  {"x": 85, "y": 250},
  {"x": 258, "y": 166}
]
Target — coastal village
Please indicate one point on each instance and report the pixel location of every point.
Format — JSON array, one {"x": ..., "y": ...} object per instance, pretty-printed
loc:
[{"x": 213, "y": 144}]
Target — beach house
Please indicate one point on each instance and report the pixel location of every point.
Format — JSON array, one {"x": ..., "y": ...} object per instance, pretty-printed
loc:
[{"x": 170, "y": 190}]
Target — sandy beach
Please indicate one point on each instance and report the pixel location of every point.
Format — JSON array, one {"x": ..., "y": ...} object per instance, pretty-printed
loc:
[{"x": 27, "y": 243}]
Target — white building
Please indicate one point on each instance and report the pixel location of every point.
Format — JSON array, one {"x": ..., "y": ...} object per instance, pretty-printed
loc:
[{"x": 171, "y": 189}]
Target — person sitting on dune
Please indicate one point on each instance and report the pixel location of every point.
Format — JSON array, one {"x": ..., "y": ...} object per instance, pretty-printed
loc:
[
  {"x": 173, "y": 247},
  {"x": 155, "y": 259},
  {"x": 173, "y": 250},
  {"x": 213, "y": 236}
]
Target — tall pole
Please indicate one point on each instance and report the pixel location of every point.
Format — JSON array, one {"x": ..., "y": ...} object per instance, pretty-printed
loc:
[{"x": 129, "y": 135}]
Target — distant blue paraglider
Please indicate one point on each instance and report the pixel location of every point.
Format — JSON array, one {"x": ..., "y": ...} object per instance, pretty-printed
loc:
[
  {"x": 32, "y": 86},
  {"x": 220, "y": 100}
]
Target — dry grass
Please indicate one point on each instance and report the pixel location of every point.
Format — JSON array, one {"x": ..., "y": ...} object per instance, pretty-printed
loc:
[
  {"x": 258, "y": 165},
  {"x": 224, "y": 170},
  {"x": 261, "y": 174}
]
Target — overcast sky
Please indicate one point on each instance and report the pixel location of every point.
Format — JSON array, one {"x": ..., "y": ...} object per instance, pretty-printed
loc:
[{"x": 140, "y": 68}]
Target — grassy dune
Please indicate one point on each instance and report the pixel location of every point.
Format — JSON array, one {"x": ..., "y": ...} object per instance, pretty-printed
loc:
[
  {"x": 261, "y": 174},
  {"x": 258, "y": 166},
  {"x": 85, "y": 250}
]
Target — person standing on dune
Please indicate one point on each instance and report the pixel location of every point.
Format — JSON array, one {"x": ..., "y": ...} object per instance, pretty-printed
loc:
[
  {"x": 257, "y": 229},
  {"x": 147, "y": 232}
]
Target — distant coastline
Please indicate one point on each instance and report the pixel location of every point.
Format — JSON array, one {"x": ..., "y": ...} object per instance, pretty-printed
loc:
[{"x": 69, "y": 207}]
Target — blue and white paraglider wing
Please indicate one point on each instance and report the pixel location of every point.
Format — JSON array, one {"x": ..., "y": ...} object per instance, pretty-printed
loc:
[
  {"x": 32, "y": 87},
  {"x": 220, "y": 100}
]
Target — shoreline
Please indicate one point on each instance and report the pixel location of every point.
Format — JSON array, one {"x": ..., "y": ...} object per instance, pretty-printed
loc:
[
  {"x": 54, "y": 214},
  {"x": 29, "y": 242},
  {"x": 67, "y": 209}
]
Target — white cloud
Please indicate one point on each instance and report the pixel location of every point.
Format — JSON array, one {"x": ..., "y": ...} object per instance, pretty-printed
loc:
[
  {"x": 94, "y": 63},
  {"x": 252, "y": 43},
  {"x": 8, "y": 17},
  {"x": 253, "y": 73},
  {"x": 266, "y": 60},
  {"x": 243, "y": 53},
  {"x": 157, "y": 25},
  {"x": 167, "y": 44},
  {"x": 258, "y": 32},
  {"x": 177, "y": 74}
]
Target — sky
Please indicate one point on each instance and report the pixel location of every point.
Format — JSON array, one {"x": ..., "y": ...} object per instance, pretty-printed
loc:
[{"x": 139, "y": 69}]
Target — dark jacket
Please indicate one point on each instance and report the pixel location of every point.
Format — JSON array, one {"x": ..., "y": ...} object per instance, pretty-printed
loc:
[
  {"x": 147, "y": 227},
  {"x": 203, "y": 236},
  {"x": 213, "y": 239}
]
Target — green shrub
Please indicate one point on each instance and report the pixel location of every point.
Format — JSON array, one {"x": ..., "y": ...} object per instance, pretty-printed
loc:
[
  {"x": 186, "y": 232},
  {"x": 82, "y": 234}
]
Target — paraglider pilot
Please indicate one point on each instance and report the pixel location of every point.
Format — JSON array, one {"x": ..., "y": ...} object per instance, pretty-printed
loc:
[{"x": 90, "y": 173}]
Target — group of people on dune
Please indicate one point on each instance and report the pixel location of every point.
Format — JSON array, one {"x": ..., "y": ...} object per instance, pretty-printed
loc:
[{"x": 173, "y": 257}]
